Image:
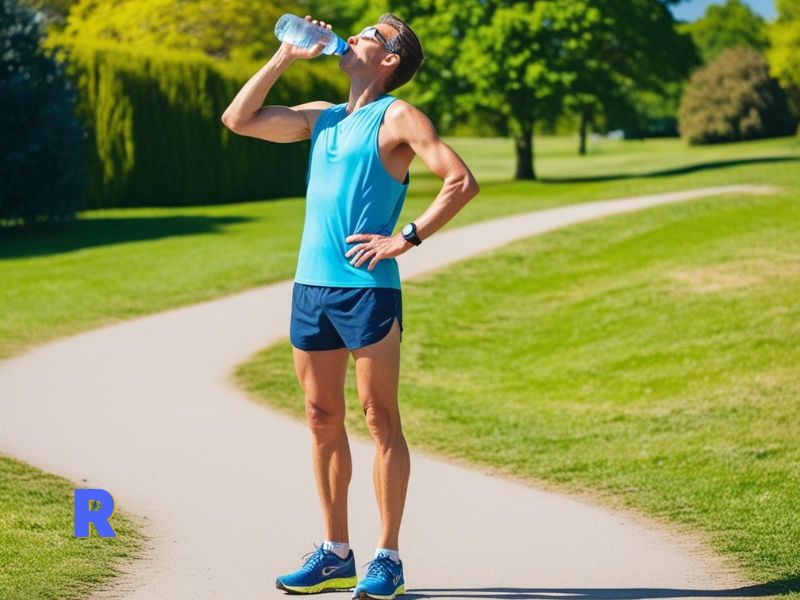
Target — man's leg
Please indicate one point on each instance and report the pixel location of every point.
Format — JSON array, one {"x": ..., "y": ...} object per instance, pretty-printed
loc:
[
  {"x": 377, "y": 374},
  {"x": 321, "y": 375}
]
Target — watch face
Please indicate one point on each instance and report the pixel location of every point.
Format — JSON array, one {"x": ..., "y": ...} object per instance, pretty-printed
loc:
[{"x": 407, "y": 229}]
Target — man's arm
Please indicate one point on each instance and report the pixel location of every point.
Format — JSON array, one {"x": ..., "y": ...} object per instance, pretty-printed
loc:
[
  {"x": 246, "y": 114},
  {"x": 409, "y": 125},
  {"x": 459, "y": 185}
]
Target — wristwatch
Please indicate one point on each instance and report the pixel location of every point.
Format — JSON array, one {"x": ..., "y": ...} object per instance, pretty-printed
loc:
[{"x": 410, "y": 234}]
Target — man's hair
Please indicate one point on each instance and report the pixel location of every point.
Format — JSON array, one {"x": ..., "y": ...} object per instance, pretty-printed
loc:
[{"x": 406, "y": 45}]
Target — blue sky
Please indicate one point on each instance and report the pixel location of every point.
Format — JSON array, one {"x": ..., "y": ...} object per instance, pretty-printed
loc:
[{"x": 690, "y": 10}]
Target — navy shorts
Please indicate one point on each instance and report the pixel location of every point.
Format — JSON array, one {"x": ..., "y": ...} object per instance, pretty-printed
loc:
[{"x": 327, "y": 318}]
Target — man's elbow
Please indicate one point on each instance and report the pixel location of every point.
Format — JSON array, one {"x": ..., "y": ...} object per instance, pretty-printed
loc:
[
  {"x": 470, "y": 186},
  {"x": 232, "y": 121},
  {"x": 228, "y": 122}
]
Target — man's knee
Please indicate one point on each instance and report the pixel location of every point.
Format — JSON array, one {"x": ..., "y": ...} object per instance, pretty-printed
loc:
[
  {"x": 325, "y": 416},
  {"x": 382, "y": 417}
]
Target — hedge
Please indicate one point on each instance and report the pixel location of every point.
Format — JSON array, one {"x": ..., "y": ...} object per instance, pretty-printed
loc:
[{"x": 156, "y": 138}]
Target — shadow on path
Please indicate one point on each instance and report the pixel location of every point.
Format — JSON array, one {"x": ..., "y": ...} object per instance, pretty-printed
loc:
[
  {"x": 775, "y": 588},
  {"x": 716, "y": 164},
  {"x": 46, "y": 239}
]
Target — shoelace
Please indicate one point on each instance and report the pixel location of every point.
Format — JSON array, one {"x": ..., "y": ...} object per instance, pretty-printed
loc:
[
  {"x": 379, "y": 566},
  {"x": 315, "y": 559}
]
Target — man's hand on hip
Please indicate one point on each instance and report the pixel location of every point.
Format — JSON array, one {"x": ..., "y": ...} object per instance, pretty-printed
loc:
[{"x": 375, "y": 247}]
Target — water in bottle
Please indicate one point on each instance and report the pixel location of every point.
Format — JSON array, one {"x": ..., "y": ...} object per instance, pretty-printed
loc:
[{"x": 305, "y": 34}]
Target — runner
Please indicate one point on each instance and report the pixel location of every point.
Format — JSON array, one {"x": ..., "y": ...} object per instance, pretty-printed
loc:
[{"x": 347, "y": 297}]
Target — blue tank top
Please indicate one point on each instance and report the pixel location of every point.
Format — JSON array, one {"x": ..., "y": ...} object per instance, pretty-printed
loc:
[{"x": 348, "y": 191}]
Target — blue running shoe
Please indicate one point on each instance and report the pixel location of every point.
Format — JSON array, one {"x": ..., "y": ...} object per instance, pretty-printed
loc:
[
  {"x": 384, "y": 579},
  {"x": 323, "y": 571}
]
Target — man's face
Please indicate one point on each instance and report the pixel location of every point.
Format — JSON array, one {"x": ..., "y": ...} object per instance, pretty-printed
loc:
[{"x": 367, "y": 52}]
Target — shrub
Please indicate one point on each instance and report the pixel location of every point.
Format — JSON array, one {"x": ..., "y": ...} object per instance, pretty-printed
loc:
[
  {"x": 734, "y": 98},
  {"x": 41, "y": 143}
]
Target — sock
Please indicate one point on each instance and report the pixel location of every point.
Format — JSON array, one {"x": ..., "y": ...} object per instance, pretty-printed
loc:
[
  {"x": 341, "y": 549},
  {"x": 393, "y": 554}
]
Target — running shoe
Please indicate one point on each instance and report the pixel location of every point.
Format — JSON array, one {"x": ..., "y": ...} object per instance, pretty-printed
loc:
[
  {"x": 322, "y": 571},
  {"x": 384, "y": 579}
]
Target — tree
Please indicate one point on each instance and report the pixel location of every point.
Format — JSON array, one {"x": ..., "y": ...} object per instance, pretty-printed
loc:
[
  {"x": 235, "y": 29},
  {"x": 618, "y": 51},
  {"x": 734, "y": 98},
  {"x": 524, "y": 62},
  {"x": 726, "y": 26},
  {"x": 784, "y": 55},
  {"x": 41, "y": 147}
]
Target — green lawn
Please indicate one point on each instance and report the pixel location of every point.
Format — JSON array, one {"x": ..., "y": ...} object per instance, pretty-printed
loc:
[
  {"x": 653, "y": 358},
  {"x": 39, "y": 556},
  {"x": 116, "y": 264}
]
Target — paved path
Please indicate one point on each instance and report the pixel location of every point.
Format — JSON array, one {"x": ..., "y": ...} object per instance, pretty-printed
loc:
[{"x": 147, "y": 409}]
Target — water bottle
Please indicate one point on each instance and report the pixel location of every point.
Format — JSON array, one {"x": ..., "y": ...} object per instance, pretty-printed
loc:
[{"x": 305, "y": 34}]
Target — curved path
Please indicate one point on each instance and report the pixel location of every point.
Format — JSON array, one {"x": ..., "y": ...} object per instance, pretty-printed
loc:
[{"x": 147, "y": 409}]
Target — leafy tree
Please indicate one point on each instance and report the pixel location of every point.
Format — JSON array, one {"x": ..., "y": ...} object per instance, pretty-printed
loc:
[
  {"x": 734, "y": 98},
  {"x": 616, "y": 52},
  {"x": 41, "y": 147},
  {"x": 784, "y": 55},
  {"x": 524, "y": 62},
  {"x": 235, "y": 29},
  {"x": 495, "y": 58},
  {"x": 728, "y": 25}
]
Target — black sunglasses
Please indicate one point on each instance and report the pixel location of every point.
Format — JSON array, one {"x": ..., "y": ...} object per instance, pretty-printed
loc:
[{"x": 372, "y": 33}]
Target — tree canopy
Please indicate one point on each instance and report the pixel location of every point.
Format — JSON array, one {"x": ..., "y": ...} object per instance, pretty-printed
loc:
[
  {"x": 41, "y": 148},
  {"x": 526, "y": 62},
  {"x": 726, "y": 26},
  {"x": 233, "y": 29},
  {"x": 784, "y": 55}
]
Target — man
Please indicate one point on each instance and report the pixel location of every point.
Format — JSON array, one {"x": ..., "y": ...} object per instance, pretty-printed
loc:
[{"x": 346, "y": 296}]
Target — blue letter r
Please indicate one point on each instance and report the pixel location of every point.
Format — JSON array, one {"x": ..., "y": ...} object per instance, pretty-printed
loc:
[{"x": 85, "y": 501}]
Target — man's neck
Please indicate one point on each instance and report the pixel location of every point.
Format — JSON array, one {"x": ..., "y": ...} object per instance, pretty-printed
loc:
[{"x": 363, "y": 94}]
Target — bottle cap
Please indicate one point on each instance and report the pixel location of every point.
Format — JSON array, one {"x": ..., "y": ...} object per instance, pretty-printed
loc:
[{"x": 342, "y": 47}]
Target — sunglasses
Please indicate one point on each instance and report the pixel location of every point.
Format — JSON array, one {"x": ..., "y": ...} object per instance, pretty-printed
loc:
[{"x": 372, "y": 33}]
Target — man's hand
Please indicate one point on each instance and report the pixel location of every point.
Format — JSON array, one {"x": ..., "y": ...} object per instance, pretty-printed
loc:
[
  {"x": 297, "y": 52},
  {"x": 375, "y": 247}
]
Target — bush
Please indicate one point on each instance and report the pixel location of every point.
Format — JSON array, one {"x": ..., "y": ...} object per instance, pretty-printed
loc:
[
  {"x": 734, "y": 98},
  {"x": 156, "y": 138},
  {"x": 42, "y": 140}
]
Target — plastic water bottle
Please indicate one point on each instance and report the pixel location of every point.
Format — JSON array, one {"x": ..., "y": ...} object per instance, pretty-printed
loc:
[{"x": 305, "y": 34}]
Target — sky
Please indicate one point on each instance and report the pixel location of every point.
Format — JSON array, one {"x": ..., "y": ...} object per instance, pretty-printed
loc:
[{"x": 690, "y": 10}]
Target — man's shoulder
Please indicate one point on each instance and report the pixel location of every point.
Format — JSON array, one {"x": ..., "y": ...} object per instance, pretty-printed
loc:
[
  {"x": 403, "y": 114},
  {"x": 400, "y": 108}
]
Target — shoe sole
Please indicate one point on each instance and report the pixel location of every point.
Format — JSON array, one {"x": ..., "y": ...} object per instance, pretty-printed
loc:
[
  {"x": 362, "y": 594},
  {"x": 342, "y": 584}
]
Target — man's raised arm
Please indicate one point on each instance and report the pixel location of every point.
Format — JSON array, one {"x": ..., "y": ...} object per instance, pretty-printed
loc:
[{"x": 246, "y": 114}]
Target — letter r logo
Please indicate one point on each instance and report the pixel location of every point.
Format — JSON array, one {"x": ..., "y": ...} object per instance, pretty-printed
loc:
[{"x": 93, "y": 506}]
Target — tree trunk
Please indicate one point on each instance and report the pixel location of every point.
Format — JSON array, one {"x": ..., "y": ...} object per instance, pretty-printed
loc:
[
  {"x": 584, "y": 125},
  {"x": 524, "y": 146}
]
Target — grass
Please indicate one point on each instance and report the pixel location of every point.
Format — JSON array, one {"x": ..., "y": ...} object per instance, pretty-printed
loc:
[
  {"x": 40, "y": 559},
  {"x": 652, "y": 357},
  {"x": 116, "y": 264}
]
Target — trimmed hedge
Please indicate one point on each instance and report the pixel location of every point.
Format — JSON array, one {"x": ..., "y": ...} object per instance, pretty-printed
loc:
[{"x": 156, "y": 138}]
